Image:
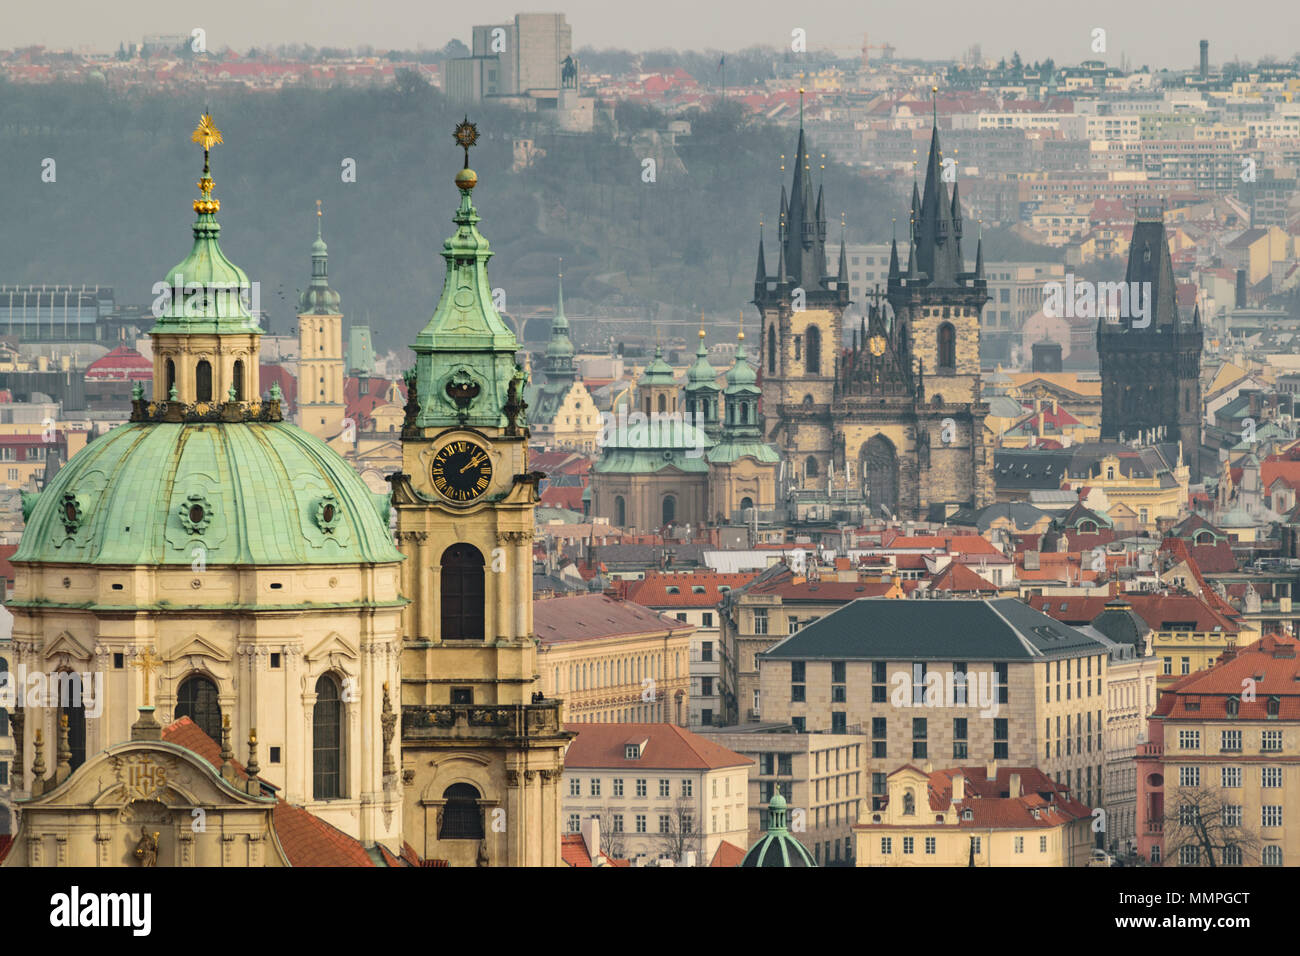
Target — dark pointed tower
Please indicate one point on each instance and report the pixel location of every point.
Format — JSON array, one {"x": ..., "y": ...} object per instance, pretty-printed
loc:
[
  {"x": 802, "y": 309},
  {"x": 1150, "y": 354}
]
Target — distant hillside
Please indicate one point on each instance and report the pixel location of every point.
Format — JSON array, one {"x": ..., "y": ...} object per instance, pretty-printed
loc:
[{"x": 119, "y": 211}]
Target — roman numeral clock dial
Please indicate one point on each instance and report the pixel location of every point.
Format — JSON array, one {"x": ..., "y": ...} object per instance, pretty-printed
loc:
[{"x": 461, "y": 471}]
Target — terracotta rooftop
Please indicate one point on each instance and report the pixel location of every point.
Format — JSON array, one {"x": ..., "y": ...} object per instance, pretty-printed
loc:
[
  {"x": 663, "y": 747},
  {"x": 306, "y": 838},
  {"x": 1270, "y": 663},
  {"x": 587, "y": 617},
  {"x": 696, "y": 589}
]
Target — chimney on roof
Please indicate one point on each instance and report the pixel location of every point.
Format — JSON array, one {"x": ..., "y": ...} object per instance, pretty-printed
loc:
[
  {"x": 958, "y": 787},
  {"x": 1013, "y": 786},
  {"x": 591, "y": 837}
]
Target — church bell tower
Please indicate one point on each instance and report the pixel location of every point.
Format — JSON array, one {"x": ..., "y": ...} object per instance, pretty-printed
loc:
[{"x": 482, "y": 750}]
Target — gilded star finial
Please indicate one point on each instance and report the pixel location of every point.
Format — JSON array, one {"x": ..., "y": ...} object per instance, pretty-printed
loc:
[
  {"x": 206, "y": 135},
  {"x": 148, "y": 663}
]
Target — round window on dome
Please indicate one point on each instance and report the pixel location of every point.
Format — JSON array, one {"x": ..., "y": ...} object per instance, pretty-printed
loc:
[
  {"x": 70, "y": 511},
  {"x": 327, "y": 513},
  {"x": 196, "y": 514}
]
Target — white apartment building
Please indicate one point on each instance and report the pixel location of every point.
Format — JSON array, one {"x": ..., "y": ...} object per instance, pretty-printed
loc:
[{"x": 659, "y": 791}]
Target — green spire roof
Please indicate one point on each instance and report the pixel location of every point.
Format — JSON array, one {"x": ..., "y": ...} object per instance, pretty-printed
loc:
[
  {"x": 658, "y": 372},
  {"x": 701, "y": 375},
  {"x": 319, "y": 298},
  {"x": 741, "y": 377},
  {"x": 466, "y": 350},
  {"x": 559, "y": 351},
  {"x": 202, "y": 293}
]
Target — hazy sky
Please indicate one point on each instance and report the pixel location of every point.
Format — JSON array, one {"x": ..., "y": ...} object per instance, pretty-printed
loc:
[{"x": 1162, "y": 34}]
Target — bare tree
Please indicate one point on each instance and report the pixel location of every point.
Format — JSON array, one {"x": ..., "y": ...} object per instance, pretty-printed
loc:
[
  {"x": 1203, "y": 819},
  {"x": 683, "y": 834},
  {"x": 612, "y": 843}
]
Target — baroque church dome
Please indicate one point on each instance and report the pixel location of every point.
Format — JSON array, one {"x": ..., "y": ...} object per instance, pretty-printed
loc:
[{"x": 249, "y": 493}]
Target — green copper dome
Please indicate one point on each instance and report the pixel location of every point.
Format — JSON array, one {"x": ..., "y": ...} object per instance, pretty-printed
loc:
[
  {"x": 257, "y": 493},
  {"x": 205, "y": 292},
  {"x": 742, "y": 373},
  {"x": 658, "y": 372},
  {"x": 702, "y": 376},
  {"x": 777, "y": 847}
]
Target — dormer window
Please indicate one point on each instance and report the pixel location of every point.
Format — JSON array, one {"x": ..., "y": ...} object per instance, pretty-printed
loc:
[
  {"x": 1274, "y": 706},
  {"x": 1232, "y": 706},
  {"x": 632, "y": 752},
  {"x": 968, "y": 814}
]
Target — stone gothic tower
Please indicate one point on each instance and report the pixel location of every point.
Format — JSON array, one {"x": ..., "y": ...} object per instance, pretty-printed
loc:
[
  {"x": 1151, "y": 356},
  {"x": 482, "y": 750},
  {"x": 802, "y": 309}
]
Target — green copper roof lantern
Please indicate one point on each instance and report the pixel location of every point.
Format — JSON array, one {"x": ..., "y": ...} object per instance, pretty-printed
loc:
[
  {"x": 658, "y": 372},
  {"x": 777, "y": 847},
  {"x": 465, "y": 355},
  {"x": 205, "y": 292}
]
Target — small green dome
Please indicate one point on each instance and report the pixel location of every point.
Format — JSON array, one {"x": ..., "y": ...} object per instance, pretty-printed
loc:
[
  {"x": 777, "y": 847},
  {"x": 701, "y": 374},
  {"x": 256, "y": 493},
  {"x": 742, "y": 373},
  {"x": 658, "y": 372}
]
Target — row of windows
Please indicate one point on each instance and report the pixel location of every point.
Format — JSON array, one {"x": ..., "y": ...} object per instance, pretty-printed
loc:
[
  {"x": 203, "y": 379},
  {"x": 640, "y": 823},
  {"x": 1230, "y": 777},
  {"x": 641, "y": 785}
]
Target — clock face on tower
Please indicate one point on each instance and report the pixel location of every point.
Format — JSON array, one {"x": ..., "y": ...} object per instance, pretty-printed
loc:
[{"x": 461, "y": 471}]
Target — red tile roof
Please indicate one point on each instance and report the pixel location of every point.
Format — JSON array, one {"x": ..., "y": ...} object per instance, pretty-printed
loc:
[
  {"x": 122, "y": 364},
  {"x": 990, "y": 803},
  {"x": 1270, "y": 667},
  {"x": 306, "y": 839},
  {"x": 727, "y": 854},
  {"x": 960, "y": 578},
  {"x": 696, "y": 589},
  {"x": 586, "y": 617},
  {"x": 666, "y": 747},
  {"x": 1162, "y": 612}
]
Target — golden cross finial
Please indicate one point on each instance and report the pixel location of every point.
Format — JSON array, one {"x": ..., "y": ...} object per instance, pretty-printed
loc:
[
  {"x": 740, "y": 336},
  {"x": 148, "y": 662},
  {"x": 317, "y": 207}
]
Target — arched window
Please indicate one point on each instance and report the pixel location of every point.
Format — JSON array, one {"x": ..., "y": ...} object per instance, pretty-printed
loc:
[
  {"x": 463, "y": 594},
  {"x": 461, "y": 817},
  {"x": 327, "y": 740},
  {"x": 620, "y": 511},
  {"x": 880, "y": 475},
  {"x": 810, "y": 467},
  {"x": 663, "y": 402},
  {"x": 171, "y": 381},
  {"x": 669, "y": 509},
  {"x": 238, "y": 373},
  {"x": 197, "y": 699},
  {"x": 71, "y": 703},
  {"x": 771, "y": 349},
  {"x": 203, "y": 381},
  {"x": 947, "y": 347},
  {"x": 746, "y": 503},
  {"x": 813, "y": 363}
]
